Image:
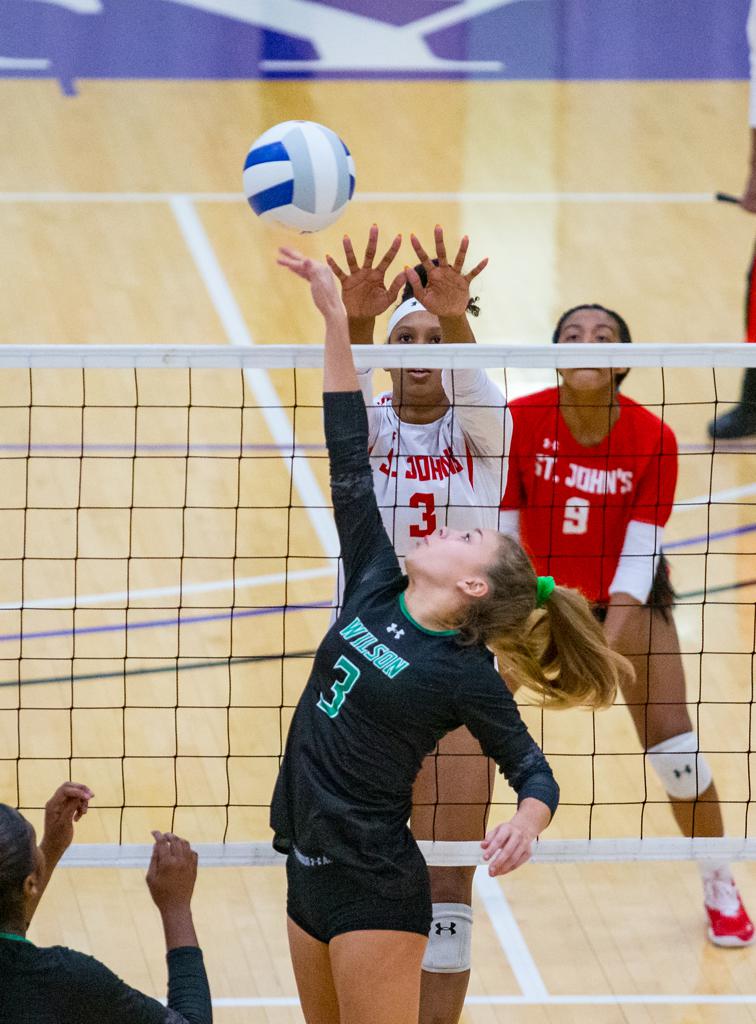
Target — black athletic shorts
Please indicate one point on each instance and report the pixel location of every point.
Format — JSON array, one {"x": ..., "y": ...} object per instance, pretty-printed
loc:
[{"x": 326, "y": 899}]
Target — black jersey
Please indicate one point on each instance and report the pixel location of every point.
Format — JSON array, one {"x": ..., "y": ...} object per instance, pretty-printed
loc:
[
  {"x": 383, "y": 690},
  {"x": 56, "y": 985}
]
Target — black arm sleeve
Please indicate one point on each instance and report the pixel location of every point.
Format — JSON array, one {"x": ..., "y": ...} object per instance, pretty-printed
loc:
[
  {"x": 99, "y": 995},
  {"x": 188, "y": 988},
  {"x": 365, "y": 545},
  {"x": 489, "y": 711}
]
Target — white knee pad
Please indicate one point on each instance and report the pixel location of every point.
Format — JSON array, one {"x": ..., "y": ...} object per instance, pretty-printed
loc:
[
  {"x": 449, "y": 939},
  {"x": 684, "y": 772}
]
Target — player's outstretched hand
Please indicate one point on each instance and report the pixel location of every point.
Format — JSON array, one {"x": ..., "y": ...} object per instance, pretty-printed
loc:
[
  {"x": 67, "y": 805},
  {"x": 363, "y": 288},
  {"x": 447, "y": 292},
  {"x": 322, "y": 283},
  {"x": 172, "y": 871},
  {"x": 506, "y": 847}
]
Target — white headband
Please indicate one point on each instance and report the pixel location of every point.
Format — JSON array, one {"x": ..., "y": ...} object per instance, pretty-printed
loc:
[{"x": 410, "y": 306}]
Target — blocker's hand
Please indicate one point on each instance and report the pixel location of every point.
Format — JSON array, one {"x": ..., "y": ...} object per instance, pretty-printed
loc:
[
  {"x": 448, "y": 290},
  {"x": 67, "y": 805},
  {"x": 322, "y": 283},
  {"x": 172, "y": 871},
  {"x": 363, "y": 289},
  {"x": 506, "y": 847}
]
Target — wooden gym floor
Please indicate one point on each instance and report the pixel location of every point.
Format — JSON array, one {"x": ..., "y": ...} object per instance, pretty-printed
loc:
[{"x": 171, "y": 256}]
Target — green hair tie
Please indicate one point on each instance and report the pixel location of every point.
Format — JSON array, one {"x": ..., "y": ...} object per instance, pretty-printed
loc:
[{"x": 544, "y": 590}]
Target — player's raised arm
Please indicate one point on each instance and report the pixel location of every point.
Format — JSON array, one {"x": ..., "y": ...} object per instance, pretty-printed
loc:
[
  {"x": 67, "y": 805},
  {"x": 338, "y": 368},
  {"x": 479, "y": 404},
  {"x": 364, "y": 541}
]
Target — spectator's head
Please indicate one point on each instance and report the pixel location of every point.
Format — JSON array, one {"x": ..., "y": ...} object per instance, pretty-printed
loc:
[
  {"x": 20, "y": 864},
  {"x": 591, "y": 323}
]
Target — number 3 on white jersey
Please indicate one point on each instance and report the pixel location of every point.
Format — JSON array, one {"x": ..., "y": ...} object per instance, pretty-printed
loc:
[
  {"x": 427, "y": 525},
  {"x": 576, "y": 515}
]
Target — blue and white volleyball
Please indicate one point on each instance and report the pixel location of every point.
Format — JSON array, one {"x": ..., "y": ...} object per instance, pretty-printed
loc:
[{"x": 299, "y": 174}]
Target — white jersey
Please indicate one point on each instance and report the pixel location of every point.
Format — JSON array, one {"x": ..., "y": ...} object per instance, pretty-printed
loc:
[{"x": 451, "y": 472}]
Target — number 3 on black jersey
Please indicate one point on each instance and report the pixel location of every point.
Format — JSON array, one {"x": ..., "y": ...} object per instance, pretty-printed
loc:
[{"x": 340, "y": 687}]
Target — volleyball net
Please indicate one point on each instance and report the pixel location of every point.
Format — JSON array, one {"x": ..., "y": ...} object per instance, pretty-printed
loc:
[{"x": 169, "y": 567}]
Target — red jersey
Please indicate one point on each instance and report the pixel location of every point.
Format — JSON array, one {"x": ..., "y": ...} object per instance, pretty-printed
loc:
[{"x": 575, "y": 502}]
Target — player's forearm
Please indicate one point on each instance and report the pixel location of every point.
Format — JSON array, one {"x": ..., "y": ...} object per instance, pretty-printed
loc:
[
  {"x": 456, "y": 330},
  {"x": 361, "y": 330},
  {"x": 52, "y": 852},
  {"x": 178, "y": 927},
  {"x": 338, "y": 367}
]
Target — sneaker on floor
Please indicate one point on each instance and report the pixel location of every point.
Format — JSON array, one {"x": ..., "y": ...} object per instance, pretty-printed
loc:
[{"x": 729, "y": 923}]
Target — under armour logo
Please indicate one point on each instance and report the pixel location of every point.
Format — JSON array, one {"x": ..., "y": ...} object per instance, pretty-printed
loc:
[
  {"x": 452, "y": 928},
  {"x": 393, "y": 628},
  {"x": 686, "y": 770}
]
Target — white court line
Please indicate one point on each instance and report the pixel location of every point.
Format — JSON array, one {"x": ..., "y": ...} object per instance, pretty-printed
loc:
[
  {"x": 514, "y": 1000},
  {"x": 511, "y": 938},
  {"x": 716, "y": 498},
  {"x": 368, "y": 197},
  {"x": 79, "y": 600},
  {"x": 245, "y": 582},
  {"x": 259, "y": 383}
]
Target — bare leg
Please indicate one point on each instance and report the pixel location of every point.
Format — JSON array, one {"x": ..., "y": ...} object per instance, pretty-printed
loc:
[
  {"x": 377, "y": 977},
  {"x": 312, "y": 970},
  {"x": 451, "y": 801},
  {"x": 656, "y": 701}
]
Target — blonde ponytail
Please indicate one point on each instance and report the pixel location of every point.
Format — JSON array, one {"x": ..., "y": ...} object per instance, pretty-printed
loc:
[
  {"x": 558, "y": 651},
  {"x": 562, "y": 655}
]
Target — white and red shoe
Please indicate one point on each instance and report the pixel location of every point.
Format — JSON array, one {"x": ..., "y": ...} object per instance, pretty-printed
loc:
[{"x": 729, "y": 923}]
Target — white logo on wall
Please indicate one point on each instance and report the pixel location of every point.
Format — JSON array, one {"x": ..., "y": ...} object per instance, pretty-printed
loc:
[{"x": 344, "y": 41}]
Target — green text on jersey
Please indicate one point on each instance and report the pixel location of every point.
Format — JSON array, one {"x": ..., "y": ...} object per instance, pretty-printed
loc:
[{"x": 363, "y": 641}]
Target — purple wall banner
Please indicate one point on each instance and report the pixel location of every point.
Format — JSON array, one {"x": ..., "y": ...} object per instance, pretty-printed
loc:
[{"x": 489, "y": 39}]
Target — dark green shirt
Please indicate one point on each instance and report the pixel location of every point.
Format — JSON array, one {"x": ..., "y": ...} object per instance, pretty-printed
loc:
[
  {"x": 383, "y": 690},
  {"x": 56, "y": 985}
]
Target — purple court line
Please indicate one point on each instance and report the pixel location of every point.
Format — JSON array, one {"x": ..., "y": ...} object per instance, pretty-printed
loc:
[
  {"x": 706, "y": 537},
  {"x": 235, "y": 613}
]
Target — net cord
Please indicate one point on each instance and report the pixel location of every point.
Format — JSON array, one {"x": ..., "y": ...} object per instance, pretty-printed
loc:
[
  {"x": 437, "y": 854},
  {"x": 520, "y": 356}
]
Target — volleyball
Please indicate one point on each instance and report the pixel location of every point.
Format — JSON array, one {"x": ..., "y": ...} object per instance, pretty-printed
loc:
[{"x": 299, "y": 174}]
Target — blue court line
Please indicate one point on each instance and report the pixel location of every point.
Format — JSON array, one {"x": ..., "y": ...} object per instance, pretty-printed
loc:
[
  {"x": 234, "y": 613},
  {"x": 706, "y": 537}
]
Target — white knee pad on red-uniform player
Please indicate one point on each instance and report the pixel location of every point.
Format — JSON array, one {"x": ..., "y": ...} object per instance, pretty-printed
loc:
[
  {"x": 683, "y": 772},
  {"x": 449, "y": 940}
]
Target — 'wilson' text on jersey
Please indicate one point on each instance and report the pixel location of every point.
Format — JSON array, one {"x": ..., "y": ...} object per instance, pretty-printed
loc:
[{"x": 363, "y": 641}]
